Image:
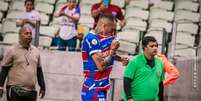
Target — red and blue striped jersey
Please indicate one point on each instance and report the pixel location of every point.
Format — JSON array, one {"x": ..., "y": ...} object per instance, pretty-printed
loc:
[{"x": 94, "y": 79}]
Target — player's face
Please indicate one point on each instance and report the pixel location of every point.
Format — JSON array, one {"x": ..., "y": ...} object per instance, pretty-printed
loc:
[
  {"x": 151, "y": 48},
  {"x": 110, "y": 28},
  {"x": 29, "y": 6}
]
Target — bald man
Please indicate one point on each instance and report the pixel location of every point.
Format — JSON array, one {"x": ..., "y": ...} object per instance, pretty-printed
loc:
[{"x": 21, "y": 65}]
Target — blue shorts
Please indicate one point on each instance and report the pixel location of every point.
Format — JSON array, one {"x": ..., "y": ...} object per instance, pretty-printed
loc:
[{"x": 93, "y": 95}]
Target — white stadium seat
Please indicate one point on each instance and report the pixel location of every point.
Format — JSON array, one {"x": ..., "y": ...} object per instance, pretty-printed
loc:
[
  {"x": 46, "y": 1},
  {"x": 44, "y": 18},
  {"x": 137, "y": 13},
  {"x": 127, "y": 47},
  {"x": 129, "y": 35},
  {"x": 85, "y": 10},
  {"x": 44, "y": 7},
  {"x": 167, "y": 5},
  {"x": 139, "y": 3},
  {"x": 3, "y": 6},
  {"x": 186, "y": 16},
  {"x": 138, "y": 24},
  {"x": 11, "y": 38},
  {"x": 45, "y": 41},
  {"x": 158, "y": 34},
  {"x": 161, "y": 14},
  {"x": 9, "y": 26},
  {"x": 47, "y": 31},
  {"x": 188, "y": 28},
  {"x": 14, "y": 14},
  {"x": 187, "y": 5},
  {"x": 119, "y": 3},
  {"x": 185, "y": 39},
  {"x": 159, "y": 24},
  {"x": 86, "y": 20},
  {"x": 17, "y": 5}
]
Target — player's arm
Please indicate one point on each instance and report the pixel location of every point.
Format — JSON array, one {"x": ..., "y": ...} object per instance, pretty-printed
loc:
[{"x": 102, "y": 62}]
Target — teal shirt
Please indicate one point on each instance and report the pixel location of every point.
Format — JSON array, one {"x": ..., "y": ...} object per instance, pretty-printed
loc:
[{"x": 146, "y": 80}]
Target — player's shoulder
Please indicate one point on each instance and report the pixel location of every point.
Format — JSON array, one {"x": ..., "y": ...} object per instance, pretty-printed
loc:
[{"x": 90, "y": 35}]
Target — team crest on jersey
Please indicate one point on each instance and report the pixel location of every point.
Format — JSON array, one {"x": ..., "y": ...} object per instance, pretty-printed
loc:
[{"x": 94, "y": 42}]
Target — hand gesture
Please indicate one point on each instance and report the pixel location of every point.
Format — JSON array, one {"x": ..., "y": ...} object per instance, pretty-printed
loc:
[{"x": 114, "y": 45}]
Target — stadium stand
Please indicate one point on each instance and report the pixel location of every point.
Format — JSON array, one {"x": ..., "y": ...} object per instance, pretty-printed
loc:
[{"x": 143, "y": 18}]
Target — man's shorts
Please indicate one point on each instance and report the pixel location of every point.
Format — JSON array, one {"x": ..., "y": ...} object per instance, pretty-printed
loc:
[{"x": 93, "y": 95}]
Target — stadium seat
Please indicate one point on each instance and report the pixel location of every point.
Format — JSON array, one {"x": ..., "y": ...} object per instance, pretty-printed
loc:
[
  {"x": 86, "y": 20},
  {"x": 167, "y": 5},
  {"x": 9, "y": 26},
  {"x": 188, "y": 28},
  {"x": 129, "y": 35},
  {"x": 3, "y": 6},
  {"x": 44, "y": 7},
  {"x": 139, "y": 3},
  {"x": 187, "y": 5},
  {"x": 44, "y": 19},
  {"x": 161, "y": 14},
  {"x": 17, "y": 5},
  {"x": 45, "y": 41},
  {"x": 138, "y": 24},
  {"x": 158, "y": 34},
  {"x": 46, "y": 1},
  {"x": 61, "y": 2},
  {"x": 137, "y": 13},
  {"x": 186, "y": 16},
  {"x": 1, "y": 15},
  {"x": 11, "y": 38},
  {"x": 186, "y": 39},
  {"x": 0, "y": 28},
  {"x": 186, "y": 52},
  {"x": 85, "y": 10},
  {"x": 47, "y": 31},
  {"x": 14, "y": 14},
  {"x": 89, "y": 2},
  {"x": 119, "y": 3},
  {"x": 127, "y": 47},
  {"x": 159, "y": 24}
]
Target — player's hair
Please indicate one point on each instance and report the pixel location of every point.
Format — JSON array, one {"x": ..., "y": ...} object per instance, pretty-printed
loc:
[
  {"x": 108, "y": 16},
  {"x": 146, "y": 40}
]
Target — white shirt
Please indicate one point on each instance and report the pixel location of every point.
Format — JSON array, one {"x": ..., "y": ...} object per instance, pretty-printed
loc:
[
  {"x": 32, "y": 16},
  {"x": 67, "y": 29}
]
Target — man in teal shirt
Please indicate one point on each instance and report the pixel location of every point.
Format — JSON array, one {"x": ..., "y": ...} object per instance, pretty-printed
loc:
[{"x": 144, "y": 74}]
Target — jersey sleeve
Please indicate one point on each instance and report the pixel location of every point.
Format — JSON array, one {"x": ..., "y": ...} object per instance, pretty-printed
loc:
[
  {"x": 129, "y": 71},
  {"x": 93, "y": 45}
]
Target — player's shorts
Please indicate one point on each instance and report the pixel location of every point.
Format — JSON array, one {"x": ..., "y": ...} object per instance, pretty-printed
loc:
[{"x": 93, "y": 95}]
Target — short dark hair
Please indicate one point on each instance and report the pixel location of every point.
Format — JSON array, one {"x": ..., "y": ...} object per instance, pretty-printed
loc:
[
  {"x": 146, "y": 40},
  {"x": 108, "y": 16},
  {"x": 28, "y": 1}
]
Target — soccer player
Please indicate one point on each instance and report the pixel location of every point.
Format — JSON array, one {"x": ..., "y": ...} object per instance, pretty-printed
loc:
[{"x": 98, "y": 50}]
